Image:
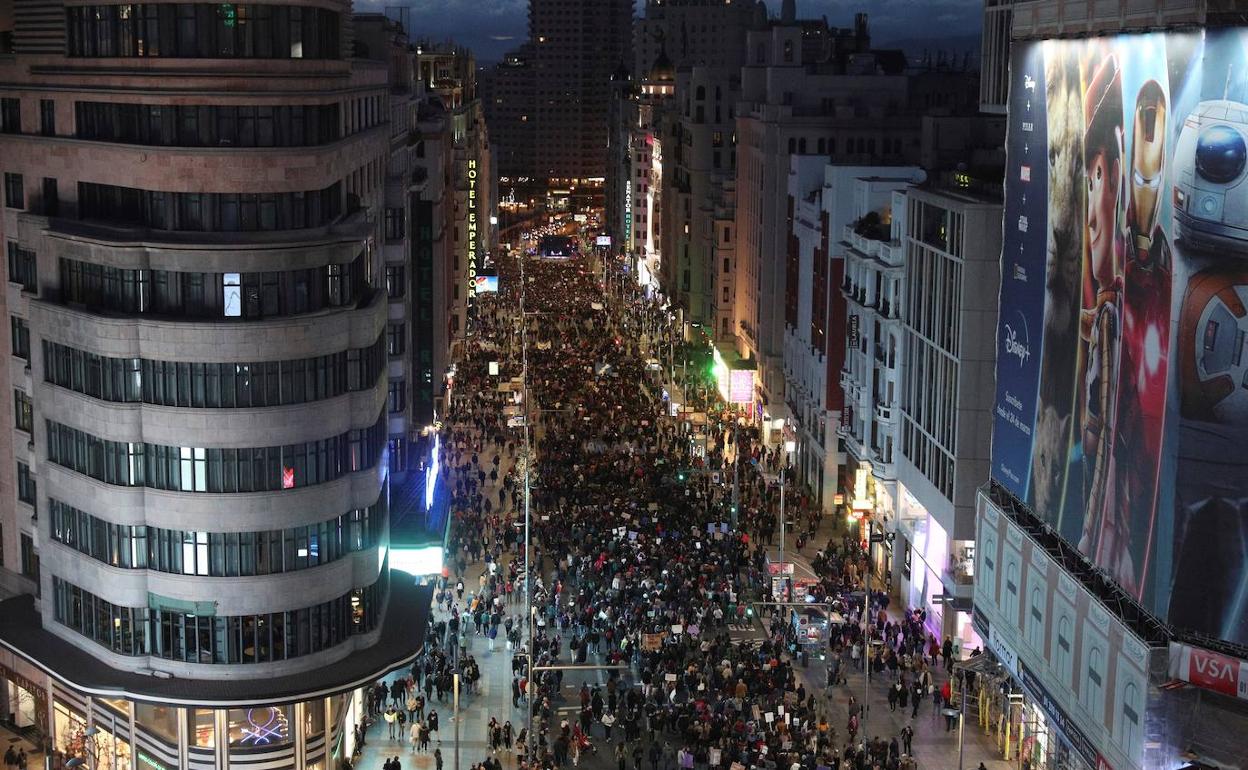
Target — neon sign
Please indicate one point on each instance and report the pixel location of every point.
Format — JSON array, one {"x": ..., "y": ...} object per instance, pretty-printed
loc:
[
  {"x": 472, "y": 230},
  {"x": 265, "y": 725},
  {"x": 628, "y": 211}
]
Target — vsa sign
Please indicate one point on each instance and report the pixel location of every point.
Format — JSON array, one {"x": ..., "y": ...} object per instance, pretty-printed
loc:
[{"x": 1210, "y": 670}]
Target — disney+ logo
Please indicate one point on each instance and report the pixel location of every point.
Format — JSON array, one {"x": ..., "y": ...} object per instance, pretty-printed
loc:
[{"x": 1016, "y": 347}]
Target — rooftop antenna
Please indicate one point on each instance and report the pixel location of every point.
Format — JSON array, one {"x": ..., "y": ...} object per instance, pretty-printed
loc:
[{"x": 403, "y": 14}]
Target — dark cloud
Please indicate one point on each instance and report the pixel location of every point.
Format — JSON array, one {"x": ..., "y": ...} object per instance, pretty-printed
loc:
[{"x": 492, "y": 27}]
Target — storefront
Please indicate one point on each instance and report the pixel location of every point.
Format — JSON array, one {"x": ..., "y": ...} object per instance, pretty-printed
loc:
[
  {"x": 25, "y": 708},
  {"x": 934, "y": 570}
]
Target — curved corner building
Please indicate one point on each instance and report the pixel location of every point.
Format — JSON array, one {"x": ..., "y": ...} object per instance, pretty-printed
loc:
[{"x": 195, "y": 491}]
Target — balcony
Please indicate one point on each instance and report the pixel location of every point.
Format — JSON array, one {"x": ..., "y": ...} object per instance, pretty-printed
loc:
[{"x": 884, "y": 413}]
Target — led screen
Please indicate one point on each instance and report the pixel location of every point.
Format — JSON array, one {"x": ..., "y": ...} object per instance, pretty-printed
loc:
[{"x": 1121, "y": 414}]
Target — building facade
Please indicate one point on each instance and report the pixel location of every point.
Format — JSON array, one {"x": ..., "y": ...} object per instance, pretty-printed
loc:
[
  {"x": 941, "y": 420},
  {"x": 199, "y": 468},
  {"x": 1109, "y": 554},
  {"x": 806, "y": 90}
]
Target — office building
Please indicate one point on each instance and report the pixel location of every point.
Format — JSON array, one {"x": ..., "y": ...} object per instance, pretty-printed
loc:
[
  {"x": 564, "y": 72},
  {"x": 198, "y": 471}
]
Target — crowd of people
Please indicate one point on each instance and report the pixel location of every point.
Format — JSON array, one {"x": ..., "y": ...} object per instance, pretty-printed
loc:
[{"x": 641, "y": 556}]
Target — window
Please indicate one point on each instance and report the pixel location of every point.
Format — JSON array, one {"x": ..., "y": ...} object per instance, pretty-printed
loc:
[
  {"x": 220, "y": 554},
  {"x": 47, "y": 117},
  {"x": 10, "y": 115},
  {"x": 396, "y": 287},
  {"x": 394, "y": 224},
  {"x": 192, "y": 469},
  {"x": 1130, "y": 733},
  {"x": 397, "y": 396},
  {"x": 26, "y": 487},
  {"x": 51, "y": 198},
  {"x": 163, "y": 629},
  {"x": 1063, "y": 659},
  {"x": 1035, "y": 620},
  {"x": 209, "y": 212},
  {"x": 1092, "y": 694},
  {"x": 22, "y": 266},
  {"x": 1009, "y": 599},
  {"x": 14, "y": 193},
  {"x": 20, "y": 337},
  {"x": 23, "y": 411},
  {"x": 187, "y": 30},
  {"x": 396, "y": 339},
  {"x": 30, "y": 558}
]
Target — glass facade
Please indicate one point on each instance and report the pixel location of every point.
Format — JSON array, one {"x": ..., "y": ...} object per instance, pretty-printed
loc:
[
  {"x": 164, "y": 125},
  {"x": 203, "y": 30},
  {"x": 199, "y": 469},
  {"x": 176, "y": 634},
  {"x": 213, "y": 295},
  {"x": 209, "y": 212},
  {"x": 213, "y": 385},
  {"x": 218, "y": 554}
]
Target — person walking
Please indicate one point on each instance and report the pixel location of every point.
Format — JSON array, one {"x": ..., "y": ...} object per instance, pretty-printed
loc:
[
  {"x": 392, "y": 718},
  {"x": 907, "y": 738}
]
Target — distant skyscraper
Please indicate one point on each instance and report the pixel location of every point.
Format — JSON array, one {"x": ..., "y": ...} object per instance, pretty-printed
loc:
[{"x": 574, "y": 47}]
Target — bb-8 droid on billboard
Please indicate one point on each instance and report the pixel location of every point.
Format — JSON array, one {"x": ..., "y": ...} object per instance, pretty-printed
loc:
[
  {"x": 1213, "y": 346},
  {"x": 1211, "y": 216},
  {"x": 1211, "y": 177}
]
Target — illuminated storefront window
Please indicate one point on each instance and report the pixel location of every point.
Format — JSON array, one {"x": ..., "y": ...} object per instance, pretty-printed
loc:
[
  {"x": 160, "y": 721},
  {"x": 259, "y": 727},
  {"x": 70, "y": 728},
  {"x": 201, "y": 728}
]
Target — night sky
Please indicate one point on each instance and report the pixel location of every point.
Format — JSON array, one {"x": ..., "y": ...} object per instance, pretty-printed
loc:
[{"x": 492, "y": 27}]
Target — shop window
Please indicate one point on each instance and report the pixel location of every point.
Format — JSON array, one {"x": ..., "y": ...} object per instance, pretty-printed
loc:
[
  {"x": 259, "y": 727},
  {"x": 313, "y": 718},
  {"x": 160, "y": 721},
  {"x": 201, "y": 728},
  {"x": 70, "y": 729}
]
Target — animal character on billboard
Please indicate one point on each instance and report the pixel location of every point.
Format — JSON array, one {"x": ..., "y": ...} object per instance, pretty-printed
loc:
[
  {"x": 1063, "y": 259},
  {"x": 1147, "y": 272},
  {"x": 1105, "y": 537}
]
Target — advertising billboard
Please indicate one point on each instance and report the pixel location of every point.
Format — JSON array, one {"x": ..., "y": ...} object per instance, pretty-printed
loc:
[
  {"x": 1121, "y": 414},
  {"x": 486, "y": 283}
]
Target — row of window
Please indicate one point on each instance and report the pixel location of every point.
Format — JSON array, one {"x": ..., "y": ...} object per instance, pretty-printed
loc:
[
  {"x": 219, "y": 554},
  {"x": 197, "y": 469},
  {"x": 213, "y": 385},
  {"x": 213, "y": 295},
  {"x": 174, "y": 634},
  {"x": 209, "y": 212},
  {"x": 22, "y": 268},
  {"x": 208, "y": 125},
  {"x": 203, "y": 30}
]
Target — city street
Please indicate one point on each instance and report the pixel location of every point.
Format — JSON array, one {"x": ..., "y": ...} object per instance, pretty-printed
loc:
[{"x": 611, "y": 526}]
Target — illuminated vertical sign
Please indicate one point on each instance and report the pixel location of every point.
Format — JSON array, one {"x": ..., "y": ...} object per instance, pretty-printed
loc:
[
  {"x": 628, "y": 213},
  {"x": 472, "y": 231}
]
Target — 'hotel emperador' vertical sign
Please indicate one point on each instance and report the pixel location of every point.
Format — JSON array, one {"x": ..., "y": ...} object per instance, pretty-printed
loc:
[{"x": 473, "y": 240}]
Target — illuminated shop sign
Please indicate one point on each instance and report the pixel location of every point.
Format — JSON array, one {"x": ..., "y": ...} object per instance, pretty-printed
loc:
[
  {"x": 472, "y": 230},
  {"x": 628, "y": 211}
]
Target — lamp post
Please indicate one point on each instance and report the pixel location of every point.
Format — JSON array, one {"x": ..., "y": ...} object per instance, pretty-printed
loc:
[{"x": 455, "y": 718}]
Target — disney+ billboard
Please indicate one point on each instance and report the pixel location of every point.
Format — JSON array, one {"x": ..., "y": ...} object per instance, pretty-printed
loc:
[{"x": 1121, "y": 414}]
